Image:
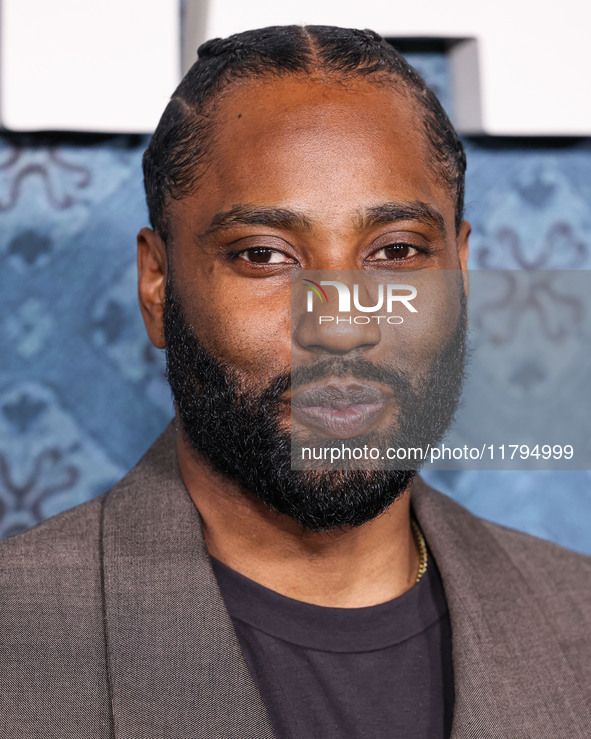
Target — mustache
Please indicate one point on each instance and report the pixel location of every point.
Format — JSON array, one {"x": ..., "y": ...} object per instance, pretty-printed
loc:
[{"x": 357, "y": 368}]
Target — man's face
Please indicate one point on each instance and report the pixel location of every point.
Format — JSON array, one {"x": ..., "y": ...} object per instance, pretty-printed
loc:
[{"x": 302, "y": 174}]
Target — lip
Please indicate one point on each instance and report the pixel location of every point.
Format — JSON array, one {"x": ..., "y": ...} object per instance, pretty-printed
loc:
[{"x": 340, "y": 409}]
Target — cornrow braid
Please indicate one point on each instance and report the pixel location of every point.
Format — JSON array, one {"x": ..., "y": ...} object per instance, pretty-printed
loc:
[{"x": 175, "y": 158}]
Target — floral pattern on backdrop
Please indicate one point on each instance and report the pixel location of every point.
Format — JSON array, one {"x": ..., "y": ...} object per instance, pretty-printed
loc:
[{"x": 82, "y": 391}]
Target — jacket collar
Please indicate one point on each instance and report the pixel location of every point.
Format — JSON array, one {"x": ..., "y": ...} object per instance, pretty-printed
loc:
[
  {"x": 511, "y": 676},
  {"x": 175, "y": 664}
]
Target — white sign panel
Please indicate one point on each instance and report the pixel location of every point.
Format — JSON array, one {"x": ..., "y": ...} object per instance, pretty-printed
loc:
[
  {"x": 518, "y": 66},
  {"x": 84, "y": 65}
]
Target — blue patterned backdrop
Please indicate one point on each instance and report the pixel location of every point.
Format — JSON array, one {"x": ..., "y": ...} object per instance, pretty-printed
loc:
[{"x": 82, "y": 393}]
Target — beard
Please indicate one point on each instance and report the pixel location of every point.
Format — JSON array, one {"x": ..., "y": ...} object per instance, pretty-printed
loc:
[{"x": 236, "y": 427}]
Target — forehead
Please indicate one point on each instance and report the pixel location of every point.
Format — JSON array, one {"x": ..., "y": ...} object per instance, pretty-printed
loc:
[{"x": 320, "y": 145}]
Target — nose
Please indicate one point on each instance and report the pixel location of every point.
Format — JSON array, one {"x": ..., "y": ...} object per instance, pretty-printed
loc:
[
  {"x": 339, "y": 336},
  {"x": 327, "y": 328}
]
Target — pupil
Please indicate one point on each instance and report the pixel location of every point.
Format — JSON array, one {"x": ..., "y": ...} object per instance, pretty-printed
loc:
[
  {"x": 260, "y": 255},
  {"x": 397, "y": 251}
]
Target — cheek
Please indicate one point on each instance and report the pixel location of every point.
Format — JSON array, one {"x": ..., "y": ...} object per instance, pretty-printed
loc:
[
  {"x": 423, "y": 335},
  {"x": 250, "y": 334}
]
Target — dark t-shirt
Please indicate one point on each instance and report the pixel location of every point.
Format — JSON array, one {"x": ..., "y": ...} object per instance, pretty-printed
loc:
[{"x": 379, "y": 671}]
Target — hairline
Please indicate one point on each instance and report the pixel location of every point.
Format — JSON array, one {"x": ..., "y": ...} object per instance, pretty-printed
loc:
[{"x": 383, "y": 79}]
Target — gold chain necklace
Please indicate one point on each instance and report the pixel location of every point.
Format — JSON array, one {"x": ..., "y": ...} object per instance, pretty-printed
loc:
[{"x": 422, "y": 547}]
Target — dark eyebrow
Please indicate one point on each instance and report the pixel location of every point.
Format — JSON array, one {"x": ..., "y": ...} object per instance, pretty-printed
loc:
[
  {"x": 253, "y": 215},
  {"x": 391, "y": 212},
  {"x": 383, "y": 214}
]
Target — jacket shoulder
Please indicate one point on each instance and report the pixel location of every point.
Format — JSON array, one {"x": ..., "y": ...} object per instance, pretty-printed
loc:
[
  {"x": 511, "y": 581},
  {"x": 560, "y": 581},
  {"x": 53, "y": 672},
  {"x": 546, "y": 566},
  {"x": 556, "y": 579},
  {"x": 72, "y": 539},
  {"x": 72, "y": 535},
  {"x": 540, "y": 562},
  {"x": 53, "y": 568}
]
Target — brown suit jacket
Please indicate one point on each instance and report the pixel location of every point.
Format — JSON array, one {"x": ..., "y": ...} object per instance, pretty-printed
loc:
[{"x": 112, "y": 623}]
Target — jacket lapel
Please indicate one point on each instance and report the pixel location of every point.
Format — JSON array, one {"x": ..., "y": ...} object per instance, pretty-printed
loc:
[
  {"x": 511, "y": 676},
  {"x": 176, "y": 669}
]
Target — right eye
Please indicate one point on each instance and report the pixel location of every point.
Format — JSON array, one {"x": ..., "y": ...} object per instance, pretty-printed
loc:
[{"x": 263, "y": 255}]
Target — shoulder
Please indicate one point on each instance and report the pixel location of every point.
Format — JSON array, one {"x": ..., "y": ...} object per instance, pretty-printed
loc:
[
  {"x": 559, "y": 578},
  {"x": 539, "y": 560},
  {"x": 61, "y": 553},
  {"x": 72, "y": 539},
  {"x": 559, "y": 582},
  {"x": 526, "y": 582},
  {"x": 52, "y": 649},
  {"x": 68, "y": 535}
]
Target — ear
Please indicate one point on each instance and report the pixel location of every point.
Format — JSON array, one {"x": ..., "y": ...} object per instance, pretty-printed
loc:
[
  {"x": 151, "y": 270},
  {"x": 463, "y": 249}
]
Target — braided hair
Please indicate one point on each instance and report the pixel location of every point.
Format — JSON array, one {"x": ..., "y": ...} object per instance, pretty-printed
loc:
[{"x": 174, "y": 159}]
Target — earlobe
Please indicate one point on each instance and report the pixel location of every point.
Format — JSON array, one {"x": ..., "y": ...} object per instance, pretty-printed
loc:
[{"x": 152, "y": 268}]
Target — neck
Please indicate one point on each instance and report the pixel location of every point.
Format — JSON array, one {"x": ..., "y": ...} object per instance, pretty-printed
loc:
[{"x": 344, "y": 568}]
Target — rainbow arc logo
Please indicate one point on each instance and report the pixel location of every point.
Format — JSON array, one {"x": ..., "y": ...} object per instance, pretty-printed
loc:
[{"x": 315, "y": 289}]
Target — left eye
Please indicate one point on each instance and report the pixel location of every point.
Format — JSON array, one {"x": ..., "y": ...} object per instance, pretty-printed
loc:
[
  {"x": 395, "y": 251},
  {"x": 263, "y": 256}
]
